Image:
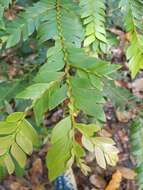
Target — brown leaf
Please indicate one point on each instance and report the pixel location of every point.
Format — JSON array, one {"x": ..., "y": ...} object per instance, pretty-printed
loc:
[
  {"x": 127, "y": 173},
  {"x": 124, "y": 116},
  {"x": 105, "y": 133},
  {"x": 36, "y": 171},
  {"x": 97, "y": 181},
  {"x": 39, "y": 187},
  {"x": 17, "y": 186},
  {"x": 137, "y": 87},
  {"x": 10, "y": 15}
]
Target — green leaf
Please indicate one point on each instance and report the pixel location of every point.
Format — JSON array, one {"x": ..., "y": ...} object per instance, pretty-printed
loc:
[
  {"x": 61, "y": 146},
  {"x": 14, "y": 38},
  {"x": 49, "y": 100},
  {"x": 90, "y": 64},
  {"x": 71, "y": 25},
  {"x": 5, "y": 143},
  {"x": 78, "y": 151},
  {"x": 7, "y": 128},
  {"x": 83, "y": 87},
  {"x": 93, "y": 16},
  {"x": 26, "y": 23},
  {"x": 120, "y": 97},
  {"x": 58, "y": 96},
  {"x": 96, "y": 82},
  {"x": 87, "y": 129},
  {"x": 55, "y": 58},
  {"x": 35, "y": 91},
  {"x": 15, "y": 117},
  {"x": 46, "y": 76},
  {"x": 18, "y": 154},
  {"x": 24, "y": 143},
  {"x": 89, "y": 40},
  {"x": 18, "y": 142},
  {"x": 28, "y": 131},
  {"x": 133, "y": 23},
  {"x": 41, "y": 106},
  {"x": 135, "y": 54},
  {"x": 136, "y": 136},
  {"x": 61, "y": 130},
  {"x": 9, "y": 164},
  {"x": 63, "y": 150},
  {"x": 87, "y": 98},
  {"x": 50, "y": 71}
]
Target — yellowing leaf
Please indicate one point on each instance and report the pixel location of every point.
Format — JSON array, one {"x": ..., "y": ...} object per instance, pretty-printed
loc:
[
  {"x": 109, "y": 153},
  {"x": 17, "y": 140},
  {"x": 100, "y": 158},
  {"x": 87, "y": 144},
  {"x": 84, "y": 168}
]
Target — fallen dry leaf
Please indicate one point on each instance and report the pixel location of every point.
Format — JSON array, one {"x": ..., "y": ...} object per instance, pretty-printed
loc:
[
  {"x": 137, "y": 87},
  {"x": 36, "y": 171},
  {"x": 39, "y": 187},
  {"x": 114, "y": 184},
  {"x": 10, "y": 15},
  {"x": 127, "y": 173},
  {"x": 97, "y": 181},
  {"x": 105, "y": 133},
  {"x": 124, "y": 116},
  {"x": 17, "y": 186}
]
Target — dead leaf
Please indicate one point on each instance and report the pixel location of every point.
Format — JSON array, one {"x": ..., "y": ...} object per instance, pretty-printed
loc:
[
  {"x": 97, "y": 181},
  {"x": 105, "y": 133},
  {"x": 127, "y": 173},
  {"x": 90, "y": 157},
  {"x": 36, "y": 171},
  {"x": 137, "y": 87},
  {"x": 114, "y": 184},
  {"x": 39, "y": 187},
  {"x": 10, "y": 15},
  {"x": 17, "y": 186},
  {"x": 124, "y": 116}
]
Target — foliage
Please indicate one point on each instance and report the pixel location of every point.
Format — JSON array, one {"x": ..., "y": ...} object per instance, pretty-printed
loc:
[
  {"x": 74, "y": 76},
  {"x": 137, "y": 148},
  {"x": 121, "y": 98},
  {"x": 93, "y": 16},
  {"x": 4, "y": 5},
  {"x": 17, "y": 138},
  {"x": 133, "y": 24}
]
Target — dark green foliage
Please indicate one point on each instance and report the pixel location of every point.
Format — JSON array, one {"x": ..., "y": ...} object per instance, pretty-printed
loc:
[
  {"x": 120, "y": 97},
  {"x": 136, "y": 131}
]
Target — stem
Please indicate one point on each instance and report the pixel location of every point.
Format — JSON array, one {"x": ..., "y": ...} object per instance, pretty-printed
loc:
[{"x": 67, "y": 67}]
